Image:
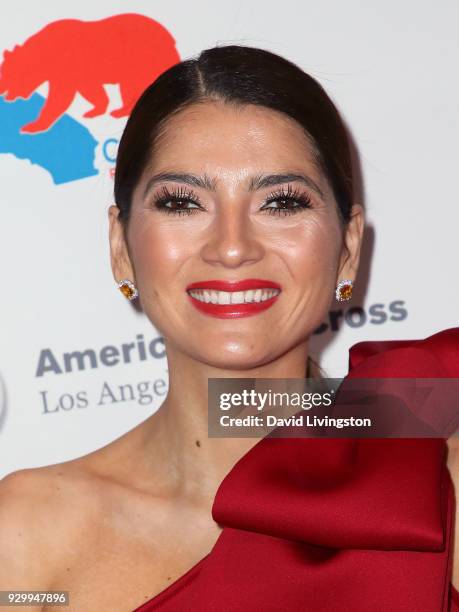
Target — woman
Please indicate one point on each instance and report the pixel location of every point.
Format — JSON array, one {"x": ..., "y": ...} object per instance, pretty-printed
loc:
[{"x": 236, "y": 167}]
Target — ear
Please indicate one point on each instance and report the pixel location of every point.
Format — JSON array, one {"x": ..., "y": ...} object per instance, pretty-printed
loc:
[
  {"x": 119, "y": 253},
  {"x": 350, "y": 255}
]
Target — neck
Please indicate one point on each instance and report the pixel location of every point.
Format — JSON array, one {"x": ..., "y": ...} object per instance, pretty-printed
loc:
[{"x": 192, "y": 464}]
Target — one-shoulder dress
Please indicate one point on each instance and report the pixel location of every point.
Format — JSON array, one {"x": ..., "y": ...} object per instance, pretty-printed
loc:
[{"x": 327, "y": 524}]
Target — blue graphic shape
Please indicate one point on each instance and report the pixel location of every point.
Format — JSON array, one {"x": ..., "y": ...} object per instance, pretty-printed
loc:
[{"x": 66, "y": 150}]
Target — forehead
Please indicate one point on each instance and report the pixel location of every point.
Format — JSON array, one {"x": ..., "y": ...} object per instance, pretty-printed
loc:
[{"x": 218, "y": 135}]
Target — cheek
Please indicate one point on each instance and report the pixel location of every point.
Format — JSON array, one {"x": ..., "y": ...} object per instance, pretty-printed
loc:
[
  {"x": 311, "y": 248},
  {"x": 159, "y": 249}
]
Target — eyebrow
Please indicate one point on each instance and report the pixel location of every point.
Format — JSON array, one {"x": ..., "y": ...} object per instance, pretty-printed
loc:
[{"x": 258, "y": 181}]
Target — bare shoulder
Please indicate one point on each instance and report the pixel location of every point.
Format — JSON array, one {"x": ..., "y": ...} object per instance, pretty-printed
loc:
[
  {"x": 453, "y": 467},
  {"x": 452, "y": 463},
  {"x": 453, "y": 457},
  {"x": 38, "y": 518}
]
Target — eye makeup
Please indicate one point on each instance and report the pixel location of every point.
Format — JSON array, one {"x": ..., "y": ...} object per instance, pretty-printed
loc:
[{"x": 176, "y": 201}]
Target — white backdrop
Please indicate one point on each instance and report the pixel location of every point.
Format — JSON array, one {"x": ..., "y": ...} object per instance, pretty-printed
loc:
[{"x": 392, "y": 69}]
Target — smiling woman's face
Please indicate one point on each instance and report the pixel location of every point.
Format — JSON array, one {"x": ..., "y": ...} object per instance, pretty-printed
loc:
[{"x": 234, "y": 224}]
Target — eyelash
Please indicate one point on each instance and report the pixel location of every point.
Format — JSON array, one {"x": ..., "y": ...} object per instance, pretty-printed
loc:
[{"x": 291, "y": 195}]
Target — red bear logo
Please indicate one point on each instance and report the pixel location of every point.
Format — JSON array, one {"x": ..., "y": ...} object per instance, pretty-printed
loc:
[{"x": 130, "y": 50}]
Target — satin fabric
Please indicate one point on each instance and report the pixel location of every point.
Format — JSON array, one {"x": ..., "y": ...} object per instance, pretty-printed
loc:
[{"x": 335, "y": 524}]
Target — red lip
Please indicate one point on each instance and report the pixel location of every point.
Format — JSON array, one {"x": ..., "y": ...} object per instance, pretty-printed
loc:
[
  {"x": 225, "y": 311},
  {"x": 242, "y": 285}
]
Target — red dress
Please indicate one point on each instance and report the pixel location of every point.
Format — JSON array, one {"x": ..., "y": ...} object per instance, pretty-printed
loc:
[{"x": 349, "y": 524}]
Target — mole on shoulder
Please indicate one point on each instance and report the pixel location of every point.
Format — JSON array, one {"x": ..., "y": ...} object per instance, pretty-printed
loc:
[
  {"x": 168, "y": 577},
  {"x": 198, "y": 443}
]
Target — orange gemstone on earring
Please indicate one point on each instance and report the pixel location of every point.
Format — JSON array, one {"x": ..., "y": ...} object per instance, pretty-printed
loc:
[
  {"x": 345, "y": 292},
  {"x": 127, "y": 291}
]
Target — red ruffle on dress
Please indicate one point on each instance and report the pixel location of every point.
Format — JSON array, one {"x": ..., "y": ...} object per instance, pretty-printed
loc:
[{"x": 326, "y": 524}]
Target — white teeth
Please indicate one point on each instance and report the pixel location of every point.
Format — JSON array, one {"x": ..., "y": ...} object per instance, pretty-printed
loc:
[
  {"x": 237, "y": 297},
  {"x": 233, "y": 297},
  {"x": 248, "y": 296}
]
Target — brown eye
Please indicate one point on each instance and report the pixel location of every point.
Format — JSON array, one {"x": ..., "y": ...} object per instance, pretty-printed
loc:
[
  {"x": 291, "y": 202},
  {"x": 177, "y": 202}
]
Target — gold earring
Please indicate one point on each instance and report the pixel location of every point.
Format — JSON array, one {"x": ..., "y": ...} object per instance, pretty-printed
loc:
[
  {"x": 343, "y": 290},
  {"x": 128, "y": 289}
]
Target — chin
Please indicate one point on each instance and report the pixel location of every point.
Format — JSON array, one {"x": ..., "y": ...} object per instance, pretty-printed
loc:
[{"x": 236, "y": 357}]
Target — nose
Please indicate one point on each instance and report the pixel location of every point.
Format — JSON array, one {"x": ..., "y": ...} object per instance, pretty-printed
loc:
[{"x": 232, "y": 240}]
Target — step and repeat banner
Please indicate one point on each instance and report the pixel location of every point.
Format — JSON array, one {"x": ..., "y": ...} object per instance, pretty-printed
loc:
[{"x": 79, "y": 366}]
